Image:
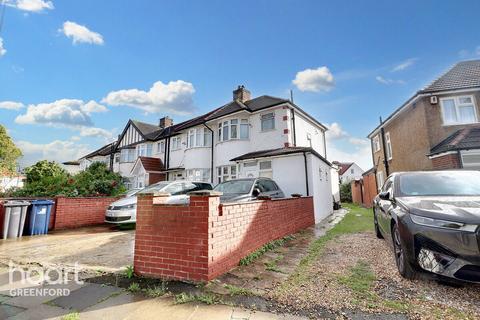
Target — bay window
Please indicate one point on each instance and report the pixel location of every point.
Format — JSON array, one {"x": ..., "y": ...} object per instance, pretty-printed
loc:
[
  {"x": 233, "y": 129},
  {"x": 199, "y": 137},
  {"x": 458, "y": 110}
]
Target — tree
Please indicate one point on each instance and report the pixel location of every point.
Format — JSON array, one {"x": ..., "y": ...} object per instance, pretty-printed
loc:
[
  {"x": 43, "y": 169},
  {"x": 9, "y": 153},
  {"x": 345, "y": 192}
]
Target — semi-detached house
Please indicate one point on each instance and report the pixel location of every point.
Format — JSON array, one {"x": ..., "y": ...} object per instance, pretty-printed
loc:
[{"x": 264, "y": 136}]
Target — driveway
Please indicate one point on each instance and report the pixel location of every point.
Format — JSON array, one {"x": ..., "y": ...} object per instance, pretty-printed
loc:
[{"x": 93, "y": 248}]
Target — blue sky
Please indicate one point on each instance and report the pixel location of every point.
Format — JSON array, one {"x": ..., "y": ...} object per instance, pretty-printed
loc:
[{"x": 73, "y": 72}]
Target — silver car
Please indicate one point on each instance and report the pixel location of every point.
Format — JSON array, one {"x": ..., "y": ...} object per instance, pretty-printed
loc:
[
  {"x": 125, "y": 209},
  {"x": 242, "y": 190}
]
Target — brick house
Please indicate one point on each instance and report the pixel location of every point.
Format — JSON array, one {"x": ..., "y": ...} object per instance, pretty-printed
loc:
[
  {"x": 437, "y": 128},
  {"x": 247, "y": 137}
]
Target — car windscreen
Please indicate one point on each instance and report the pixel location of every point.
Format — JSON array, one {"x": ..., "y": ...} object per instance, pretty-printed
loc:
[
  {"x": 132, "y": 192},
  {"x": 237, "y": 187},
  {"x": 440, "y": 184},
  {"x": 155, "y": 187}
]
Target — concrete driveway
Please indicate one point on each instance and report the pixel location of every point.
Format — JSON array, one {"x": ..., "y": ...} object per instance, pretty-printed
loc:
[{"x": 92, "y": 248}]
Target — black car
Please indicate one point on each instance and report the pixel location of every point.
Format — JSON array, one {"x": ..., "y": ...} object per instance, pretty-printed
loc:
[
  {"x": 242, "y": 190},
  {"x": 432, "y": 220}
]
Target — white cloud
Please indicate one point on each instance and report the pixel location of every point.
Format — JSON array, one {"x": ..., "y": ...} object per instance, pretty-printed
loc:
[
  {"x": 68, "y": 113},
  {"x": 343, "y": 147},
  {"x": 174, "y": 97},
  {"x": 388, "y": 81},
  {"x": 335, "y": 131},
  {"x": 404, "y": 65},
  {"x": 58, "y": 150},
  {"x": 314, "y": 80},
  {"x": 11, "y": 105},
  {"x": 80, "y": 34},
  {"x": 2, "y": 48}
]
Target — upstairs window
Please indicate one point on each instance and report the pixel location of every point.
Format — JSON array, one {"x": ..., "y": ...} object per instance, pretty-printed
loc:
[
  {"x": 268, "y": 121},
  {"x": 376, "y": 143},
  {"x": 127, "y": 155},
  {"x": 458, "y": 110},
  {"x": 176, "y": 143},
  {"x": 388, "y": 142},
  {"x": 161, "y": 147},
  {"x": 144, "y": 150},
  {"x": 199, "y": 137},
  {"x": 233, "y": 129}
]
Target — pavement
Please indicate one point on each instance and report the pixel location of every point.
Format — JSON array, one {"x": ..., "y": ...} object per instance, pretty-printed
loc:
[
  {"x": 95, "y": 301},
  {"x": 93, "y": 248}
]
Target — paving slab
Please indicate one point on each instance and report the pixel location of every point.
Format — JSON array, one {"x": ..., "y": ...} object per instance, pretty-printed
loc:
[
  {"x": 113, "y": 308},
  {"x": 212, "y": 312},
  {"x": 41, "y": 312},
  {"x": 86, "y": 296},
  {"x": 240, "y": 314},
  {"x": 8, "y": 311},
  {"x": 30, "y": 302},
  {"x": 162, "y": 308}
]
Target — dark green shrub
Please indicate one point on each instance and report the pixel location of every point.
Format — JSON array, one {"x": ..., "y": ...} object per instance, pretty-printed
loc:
[{"x": 345, "y": 192}]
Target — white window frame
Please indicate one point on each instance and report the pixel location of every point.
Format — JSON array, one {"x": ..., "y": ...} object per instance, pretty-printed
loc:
[
  {"x": 161, "y": 147},
  {"x": 458, "y": 105},
  {"x": 388, "y": 143},
  {"x": 376, "y": 143},
  {"x": 261, "y": 121},
  {"x": 224, "y": 173},
  {"x": 472, "y": 165},
  {"x": 127, "y": 155},
  {"x": 199, "y": 174},
  {"x": 266, "y": 173},
  {"x": 144, "y": 150},
  {"x": 227, "y": 125},
  {"x": 198, "y": 137},
  {"x": 176, "y": 143},
  {"x": 380, "y": 180}
]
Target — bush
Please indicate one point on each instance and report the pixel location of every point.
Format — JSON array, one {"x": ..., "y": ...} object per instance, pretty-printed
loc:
[
  {"x": 48, "y": 179},
  {"x": 345, "y": 192}
]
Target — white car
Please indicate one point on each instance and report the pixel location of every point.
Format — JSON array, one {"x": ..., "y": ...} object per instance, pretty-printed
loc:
[{"x": 125, "y": 209}]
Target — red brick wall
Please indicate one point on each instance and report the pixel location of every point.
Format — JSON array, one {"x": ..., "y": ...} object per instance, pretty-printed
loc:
[
  {"x": 204, "y": 239},
  {"x": 449, "y": 161},
  {"x": 80, "y": 212}
]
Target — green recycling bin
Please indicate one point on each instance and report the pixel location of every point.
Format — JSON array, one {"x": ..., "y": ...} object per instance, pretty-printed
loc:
[{"x": 14, "y": 218}]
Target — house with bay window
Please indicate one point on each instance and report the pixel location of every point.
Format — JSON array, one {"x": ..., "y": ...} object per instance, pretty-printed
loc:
[
  {"x": 438, "y": 128},
  {"x": 247, "y": 137}
]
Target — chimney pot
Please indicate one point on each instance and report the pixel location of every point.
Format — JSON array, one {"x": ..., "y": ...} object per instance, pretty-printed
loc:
[{"x": 241, "y": 94}]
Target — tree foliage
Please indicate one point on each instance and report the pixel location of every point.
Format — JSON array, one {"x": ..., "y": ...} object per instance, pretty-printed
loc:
[
  {"x": 345, "y": 192},
  {"x": 48, "y": 179},
  {"x": 9, "y": 153}
]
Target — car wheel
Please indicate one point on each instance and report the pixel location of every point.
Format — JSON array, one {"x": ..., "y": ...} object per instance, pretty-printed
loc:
[
  {"x": 404, "y": 266},
  {"x": 375, "y": 223}
]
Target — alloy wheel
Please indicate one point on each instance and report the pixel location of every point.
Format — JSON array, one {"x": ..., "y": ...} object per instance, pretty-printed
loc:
[{"x": 397, "y": 244}]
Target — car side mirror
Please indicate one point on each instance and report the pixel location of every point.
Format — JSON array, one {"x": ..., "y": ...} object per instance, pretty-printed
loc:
[
  {"x": 385, "y": 195},
  {"x": 256, "y": 192}
]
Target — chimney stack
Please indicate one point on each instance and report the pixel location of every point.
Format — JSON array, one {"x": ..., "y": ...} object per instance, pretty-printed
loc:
[
  {"x": 241, "y": 94},
  {"x": 165, "y": 122}
]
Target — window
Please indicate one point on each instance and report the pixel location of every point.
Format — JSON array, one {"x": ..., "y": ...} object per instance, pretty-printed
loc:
[
  {"x": 127, "y": 155},
  {"x": 233, "y": 129},
  {"x": 176, "y": 143},
  {"x": 458, "y": 110},
  {"x": 140, "y": 181},
  {"x": 117, "y": 158},
  {"x": 471, "y": 159},
  {"x": 309, "y": 139},
  {"x": 225, "y": 173},
  {"x": 379, "y": 180},
  {"x": 351, "y": 171},
  {"x": 268, "y": 121},
  {"x": 198, "y": 175},
  {"x": 144, "y": 150},
  {"x": 266, "y": 169},
  {"x": 161, "y": 147},
  {"x": 388, "y": 142},
  {"x": 376, "y": 143},
  {"x": 199, "y": 137}
]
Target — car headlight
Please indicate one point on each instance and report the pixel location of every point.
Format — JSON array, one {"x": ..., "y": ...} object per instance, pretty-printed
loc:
[
  {"x": 128, "y": 207},
  {"x": 444, "y": 224}
]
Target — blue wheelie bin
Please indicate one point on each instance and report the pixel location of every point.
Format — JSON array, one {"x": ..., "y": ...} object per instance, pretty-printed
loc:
[{"x": 39, "y": 217}]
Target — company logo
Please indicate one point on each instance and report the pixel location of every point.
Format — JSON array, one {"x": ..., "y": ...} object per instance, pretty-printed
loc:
[{"x": 40, "y": 278}]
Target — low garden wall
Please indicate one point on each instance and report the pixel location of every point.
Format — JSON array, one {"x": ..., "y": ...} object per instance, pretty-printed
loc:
[
  {"x": 70, "y": 213},
  {"x": 205, "y": 239}
]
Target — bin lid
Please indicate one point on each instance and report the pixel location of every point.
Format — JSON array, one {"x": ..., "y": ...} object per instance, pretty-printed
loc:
[
  {"x": 16, "y": 203},
  {"x": 41, "y": 201}
]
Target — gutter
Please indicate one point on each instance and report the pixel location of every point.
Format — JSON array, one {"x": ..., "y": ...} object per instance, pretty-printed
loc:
[
  {"x": 385, "y": 161},
  {"x": 212, "y": 152},
  {"x": 306, "y": 173},
  {"x": 293, "y": 128}
]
